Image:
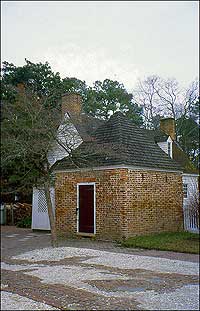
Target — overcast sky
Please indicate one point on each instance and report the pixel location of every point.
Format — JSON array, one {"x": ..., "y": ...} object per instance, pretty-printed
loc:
[{"x": 94, "y": 40}]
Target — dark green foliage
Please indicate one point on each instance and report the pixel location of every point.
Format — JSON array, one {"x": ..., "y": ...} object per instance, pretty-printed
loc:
[
  {"x": 13, "y": 173},
  {"x": 74, "y": 85},
  {"x": 99, "y": 100},
  {"x": 39, "y": 78},
  {"x": 24, "y": 223},
  {"x": 107, "y": 97},
  {"x": 188, "y": 132},
  {"x": 28, "y": 130}
]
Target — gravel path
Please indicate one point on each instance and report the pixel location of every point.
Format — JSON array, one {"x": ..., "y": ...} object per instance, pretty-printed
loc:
[
  {"x": 80, "y": 276},
  {"x": 35, "y": 277},
  {"x": 10, "y": 301},
  {"x": 123, "y": 261}
]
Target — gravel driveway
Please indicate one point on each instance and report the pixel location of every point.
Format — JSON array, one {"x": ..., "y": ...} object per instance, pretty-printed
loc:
[{"x": 88, "y": 275}]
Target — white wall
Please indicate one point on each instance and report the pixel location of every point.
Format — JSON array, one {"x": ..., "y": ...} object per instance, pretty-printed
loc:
[
  {"x": 192, "y": 186},
  {"x": 164, "y": 146},
  {"x": 68, "y": 136}
]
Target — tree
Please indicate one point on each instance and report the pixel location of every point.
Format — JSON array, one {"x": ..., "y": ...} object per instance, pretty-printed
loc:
[
  {"x": 188, "y": 134},
  {"x": 106, "y": 97},
  {"x": 146, "y": 97},
  {"x": 100, "y": 100},
  {"x": 39, "y": 78},
  {"x": 74, "y": 85},
  {"x": 30, "y": 131},
  {"x": 169, "y": 92},
  {"x": 164, "y": 98},
  {"x": 187, "y": 125},
  {"x": 191, "y": 101},
  {"x": 158, "y": 97}
]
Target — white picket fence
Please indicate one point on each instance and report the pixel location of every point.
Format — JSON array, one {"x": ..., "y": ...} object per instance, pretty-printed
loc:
[{"x": 191, "y": 220}]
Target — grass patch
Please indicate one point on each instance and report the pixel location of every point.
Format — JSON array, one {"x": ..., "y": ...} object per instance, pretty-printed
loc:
[{"x": 183, "y": 242}]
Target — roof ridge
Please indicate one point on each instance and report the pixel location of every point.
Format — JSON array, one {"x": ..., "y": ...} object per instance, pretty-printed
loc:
[{"x": 119, "y": 115}]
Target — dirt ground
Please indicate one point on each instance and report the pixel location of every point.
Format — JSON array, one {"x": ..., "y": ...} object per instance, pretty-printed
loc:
[{"x": 89, "y": 280}]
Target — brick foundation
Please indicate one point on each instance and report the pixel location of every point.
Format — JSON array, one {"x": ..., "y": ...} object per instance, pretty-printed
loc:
[{"x": 128, "y": 202}]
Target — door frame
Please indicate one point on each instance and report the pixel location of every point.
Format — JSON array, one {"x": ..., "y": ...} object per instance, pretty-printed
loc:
[{"x": 77, "y": 206}]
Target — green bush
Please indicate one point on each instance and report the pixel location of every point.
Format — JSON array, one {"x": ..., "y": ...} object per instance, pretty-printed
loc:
[{"x": 24, "y": 223}]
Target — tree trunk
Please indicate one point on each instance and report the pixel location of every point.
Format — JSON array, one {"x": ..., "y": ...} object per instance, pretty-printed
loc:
[{"x": 51, "y": 215}]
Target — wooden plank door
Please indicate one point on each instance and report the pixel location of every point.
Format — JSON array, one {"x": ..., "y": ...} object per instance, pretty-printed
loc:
[{"x": 86, "y": 209}]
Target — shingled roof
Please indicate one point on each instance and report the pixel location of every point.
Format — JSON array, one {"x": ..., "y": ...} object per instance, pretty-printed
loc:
[
  {"x": 158, "y": 135},
  {"x": 119, "y": 142},
  {"x": 86, "y": 125},
  {"x": 180, "y": 156}
]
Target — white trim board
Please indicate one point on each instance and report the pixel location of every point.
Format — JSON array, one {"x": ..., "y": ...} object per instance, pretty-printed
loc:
[
  {"x": 113, "y": 167},
  {"x": 77, "y": 204},
  {"x": 190, "y": 175}
]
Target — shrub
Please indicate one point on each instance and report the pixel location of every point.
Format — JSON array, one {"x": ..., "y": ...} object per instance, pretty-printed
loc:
[{"x": 24, "y": 223}]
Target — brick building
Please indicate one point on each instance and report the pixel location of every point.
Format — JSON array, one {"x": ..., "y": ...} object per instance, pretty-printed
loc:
[{"x": 122, "y": 180}]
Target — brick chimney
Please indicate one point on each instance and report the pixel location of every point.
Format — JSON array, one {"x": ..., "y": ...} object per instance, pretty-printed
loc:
[
  {"x": 71, "y": 103},
  {"x": 167, "y": 125}
]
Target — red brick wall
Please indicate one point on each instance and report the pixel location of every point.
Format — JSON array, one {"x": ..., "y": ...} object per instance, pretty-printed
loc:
[
  {"x": 110, "y": 201},
  {"x": 154, "y": 202},
  {"x": 127, "y": 202}
]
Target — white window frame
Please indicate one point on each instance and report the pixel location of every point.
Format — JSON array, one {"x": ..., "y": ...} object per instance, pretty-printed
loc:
[
  {"x": 77, "y": 206},
  {"x": 169, "y": 147}
]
